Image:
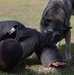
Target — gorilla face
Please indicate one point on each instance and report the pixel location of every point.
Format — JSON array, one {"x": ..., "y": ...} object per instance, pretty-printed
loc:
[
  {"x": 54, "y": 31},
  {"x": 54, "y": 35}
]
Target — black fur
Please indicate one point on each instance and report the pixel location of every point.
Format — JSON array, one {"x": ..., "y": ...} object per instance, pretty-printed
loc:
[
  {"x": 55, "y": 22},
  {"x": 31, "y": 41},
  {"x": 11, "y": 52}
]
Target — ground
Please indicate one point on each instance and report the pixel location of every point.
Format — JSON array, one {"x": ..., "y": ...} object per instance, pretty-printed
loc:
[{"x": 29, "y": 13}]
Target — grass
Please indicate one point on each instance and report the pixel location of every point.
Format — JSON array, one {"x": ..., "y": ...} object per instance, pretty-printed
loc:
[{"x": 29, "y": 13}]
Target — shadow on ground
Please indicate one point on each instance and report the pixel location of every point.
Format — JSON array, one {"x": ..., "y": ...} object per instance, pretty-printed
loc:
[
  {"x": 62, "y": 49},
  {"x": 32, "y": 66}
]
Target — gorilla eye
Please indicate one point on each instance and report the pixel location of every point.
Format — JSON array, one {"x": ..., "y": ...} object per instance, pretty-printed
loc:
[
  {"x": 56, "y": 34},
  {"x": 47, "y": 21}
]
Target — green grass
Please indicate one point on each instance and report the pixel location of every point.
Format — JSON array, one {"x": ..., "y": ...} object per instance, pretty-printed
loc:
[{"x": 29, "y": 13}]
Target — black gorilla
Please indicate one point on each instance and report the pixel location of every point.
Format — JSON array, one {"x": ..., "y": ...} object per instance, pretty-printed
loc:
[
  {"x": 55, "y": 21},
  {"x": 31, "y": 41}
]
